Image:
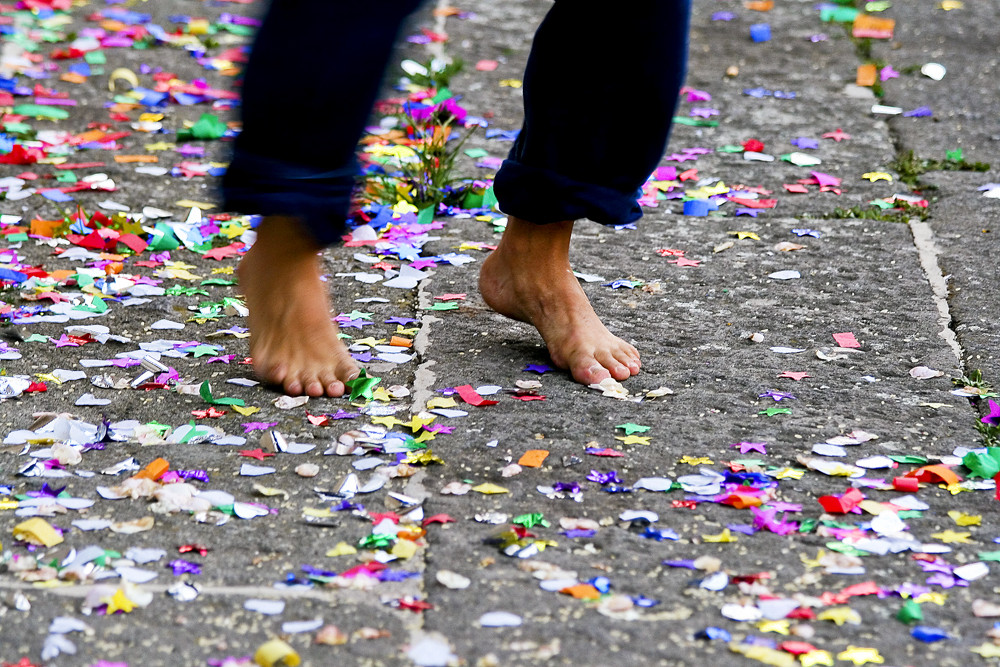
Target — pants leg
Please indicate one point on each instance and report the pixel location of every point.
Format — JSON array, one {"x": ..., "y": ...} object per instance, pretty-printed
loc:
[
  {"x": 312, "y": 78},
  {"x": 600, "y": 90}
]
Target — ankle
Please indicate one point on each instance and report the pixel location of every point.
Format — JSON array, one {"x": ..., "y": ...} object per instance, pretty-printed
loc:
[
  {"x": 530, "y": 242},
  {"x": 284, "y": 236}
]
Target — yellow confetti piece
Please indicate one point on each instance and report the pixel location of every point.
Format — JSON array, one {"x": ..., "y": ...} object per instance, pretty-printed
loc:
[
  {"x": 817, "y": 658},
  {"x": 119, "y": 602},
  {"x": 276, "y": 653},
  {"x": 744, "y": 235},
  {"x": 342, "y": 549},
  {"x": 269, "y": 491},
  {"x": 764, "y": 654},
  {"x": 9, "y": 504},
  {"x": 789, "y": 473},
  {"x": 404, "y": 549},
  {"x": 933, "y": 597},
  {"x": 246, "y": 411},
  {"x": 781, "y": 627},
  {"x": 695, "y": 460},
  {"x": 948, "y": 5},
  {"x": 963, "y": 519},
  {"x": 381, "y": 394},
  {"x": 489, "y": 488},
  {"x": 317, "y": 513},
  {"x": 425, "y": 436},
  {"x": 840, "y": 615},
  {"x": 952, "y": 537},
  {"x": 987, "y": 650},
  {"x": 725, "y": 536},
  {"x": 511, "y": 83},
  {"x": 861, "y": 656},
  {"x": 633, "y": 439},
  {"x": 442, "y": 402},
  {"x": 187, "y": 203},
  {"x": 37, "y": 531},
  {"x": 877, "y": 176}
]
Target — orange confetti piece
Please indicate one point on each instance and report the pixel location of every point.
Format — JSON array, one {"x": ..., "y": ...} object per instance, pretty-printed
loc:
[
  {"x": 136, "y": 158},
  {"x": 532, "y": 458},
  {"x": 935, "y": 473},
  {"x": 582, "y": 592},
  {"x": 399, "y": 341},
  {"x": 73, "y": 77},
  {"x": 45, "y": 227},
  {"x": 759, "y": 5},
  {"x": 866, "y": 25},
  {"x": 156, "y": 469},
  {"x": 866, "y": 75}
]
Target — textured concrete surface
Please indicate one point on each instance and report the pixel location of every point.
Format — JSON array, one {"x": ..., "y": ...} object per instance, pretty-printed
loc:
[{"x": 706, "y": 332}]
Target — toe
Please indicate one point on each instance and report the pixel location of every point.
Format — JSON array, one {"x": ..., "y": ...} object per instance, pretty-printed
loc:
[
  {"x": 618, "y": 370},
  {"x": 627, "y": 360},
  {"x": 314, "y": 388},
  {"x": 335, "y": 389},
  {"x": 293, "y": 387}
]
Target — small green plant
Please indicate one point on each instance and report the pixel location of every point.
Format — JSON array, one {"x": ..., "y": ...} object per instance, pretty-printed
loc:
[
  {"x": 420, "y": 171},
  {"x": 910, "y": 167},
  {"x": 988, "y": 425},
  {"x": 903, "y": 212},
  {"x": 438, "y": 73}
]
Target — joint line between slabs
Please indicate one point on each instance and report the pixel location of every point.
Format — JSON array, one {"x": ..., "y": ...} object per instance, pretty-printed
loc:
[{"x": 927, "y": 251}]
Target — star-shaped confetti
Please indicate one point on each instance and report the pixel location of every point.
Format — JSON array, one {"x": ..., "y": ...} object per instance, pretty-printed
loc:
[
  {"x": 362, "y": 386},
  {"x": 537, "y": 368},
  {"x": 747, "y": 447},
  {"x": 837, "y": 135},
  {"x": 771, "y": 412},
  {"x": 119, "y": 602},
  {"x": 952, "y": 537},
  {"x": 861, "y": 656},
  {"x": 633, "y": 439},
  {"x": 795, "y": 375},
  {"x": 258, "y": 453},
  {"x": 740, "y": 235}
]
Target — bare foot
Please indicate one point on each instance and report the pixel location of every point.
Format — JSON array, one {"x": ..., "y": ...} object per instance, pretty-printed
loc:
[
  {"x": 293, "y": 341},
  {"x": 528, "y": 278}
]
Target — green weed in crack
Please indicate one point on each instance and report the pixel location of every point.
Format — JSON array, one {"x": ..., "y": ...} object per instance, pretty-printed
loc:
[{"x": 978, "y": 391}]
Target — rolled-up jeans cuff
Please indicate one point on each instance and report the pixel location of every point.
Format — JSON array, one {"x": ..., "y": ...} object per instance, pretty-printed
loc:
[
  {"x": 541, "y": 196},
  {"x": 320, "y": 201}
]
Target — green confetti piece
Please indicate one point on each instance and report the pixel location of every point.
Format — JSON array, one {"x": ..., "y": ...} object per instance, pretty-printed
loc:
[
  {"x": 206, "y": 394},
  {"x": 840, "y": 547},
  {"x": 489, "y": 199},
  {"x": 476, "y": 152},
  {"x": 909, "y": 612},
  {"x": 443, "y": 305},
  {"x": 95, "y": 58},
  {"x": 695, "y": 122},
  {"x": 908, "y": 458},
  {"x": 218, "y": 281},
  {"x": 989, "y": 555},
  {"x": 531, "y": 520},
  {"x": 41, "y": 111},
  {"x": 362, "y": 386},
  {"x": 426, "y": 216},
  {"x": 730, "y": 148},
  {"x": 206, "y": 128}
]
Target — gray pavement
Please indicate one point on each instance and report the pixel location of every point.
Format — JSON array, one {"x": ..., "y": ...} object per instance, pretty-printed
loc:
[{"x": 666, "y": 573}]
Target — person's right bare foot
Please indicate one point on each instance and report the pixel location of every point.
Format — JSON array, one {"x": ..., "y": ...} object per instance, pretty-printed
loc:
[
  {"x": 528, "y": 278},
  {"x": 293, "y": 341}
]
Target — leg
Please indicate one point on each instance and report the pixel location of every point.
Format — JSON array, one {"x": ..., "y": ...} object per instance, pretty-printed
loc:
[
  {"x": 332, "y": 54},
  {"x": 572, "y": 160}
]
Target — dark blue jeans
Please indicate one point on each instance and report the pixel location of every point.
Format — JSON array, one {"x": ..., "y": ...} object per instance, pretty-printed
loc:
[{"x": 600, "y": 90}]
